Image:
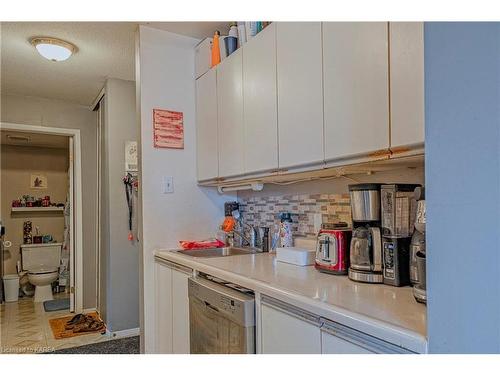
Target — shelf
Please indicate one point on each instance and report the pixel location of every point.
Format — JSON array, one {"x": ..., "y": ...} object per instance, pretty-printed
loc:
[{"x": 37, "y": 209}]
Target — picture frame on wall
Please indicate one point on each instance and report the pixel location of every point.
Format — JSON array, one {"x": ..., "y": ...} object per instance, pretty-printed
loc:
[
  {"x": 38, "y": 181},
  {"x": 168, "y": 129}
]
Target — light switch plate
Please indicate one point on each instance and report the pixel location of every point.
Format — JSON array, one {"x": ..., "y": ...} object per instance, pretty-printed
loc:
[{"x": 168, "y": 185}]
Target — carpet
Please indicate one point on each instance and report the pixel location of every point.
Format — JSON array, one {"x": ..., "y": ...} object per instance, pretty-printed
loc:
[
  {"x": 59, "y": 331},
  {"x": 56, "y": 304},
  {"x": 129, "y": 345}
]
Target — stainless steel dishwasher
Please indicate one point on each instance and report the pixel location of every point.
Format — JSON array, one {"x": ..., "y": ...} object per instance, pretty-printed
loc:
[{"x": 221, "y": 318}]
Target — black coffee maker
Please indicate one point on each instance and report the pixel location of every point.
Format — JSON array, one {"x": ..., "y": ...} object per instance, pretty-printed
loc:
[{"x": 398, "y": 215}]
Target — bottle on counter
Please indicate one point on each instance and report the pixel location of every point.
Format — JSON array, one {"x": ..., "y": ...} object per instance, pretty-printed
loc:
[{"x": 286, "y": 238}]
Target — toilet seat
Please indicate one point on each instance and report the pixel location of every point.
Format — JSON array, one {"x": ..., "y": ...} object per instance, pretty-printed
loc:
[{"x": 42, "y": 270}]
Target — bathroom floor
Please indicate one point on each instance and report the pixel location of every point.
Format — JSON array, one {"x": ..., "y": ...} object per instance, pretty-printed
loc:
[{"x": 24, "y": 328}]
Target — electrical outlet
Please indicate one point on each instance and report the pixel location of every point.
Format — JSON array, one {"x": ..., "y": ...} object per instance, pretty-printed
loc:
[
  {"x": 168, "y": 184},
  {"x": 318, "y": 220}
]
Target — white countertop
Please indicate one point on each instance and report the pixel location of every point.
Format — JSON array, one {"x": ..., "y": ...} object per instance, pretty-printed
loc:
[{"x": 386, "y": 312}]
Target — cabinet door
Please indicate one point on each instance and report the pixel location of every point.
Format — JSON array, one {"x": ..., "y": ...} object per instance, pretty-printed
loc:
[
  {"x": 259, "y": 101},
  {"x": 356, "y": 98},
  {"x": 206, "y": 126},
  {"x": 407, "y": 83},
  {"x": 331, "y": 344},
  {"x": 284, "y": 333},
  {"x": 230, "y": 115},
  {"x": 300, "y": 93},
  {"x": 180, "y": 312},
  {"x": 163, "y": 285}
]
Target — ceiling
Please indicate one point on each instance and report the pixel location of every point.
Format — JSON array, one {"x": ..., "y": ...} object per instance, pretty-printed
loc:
[
  {"x": 105, "y": 50},
  {"x": 13, "y": 138}
]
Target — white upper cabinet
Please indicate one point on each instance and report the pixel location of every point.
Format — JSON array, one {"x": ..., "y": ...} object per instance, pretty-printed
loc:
[
  {"x": 356, "y": 97},
  {"x": 300, "y": 93},
  {"x": 407, "y": 83},
  {"x": 230, "y": 115},
  {"x": 206, "y": 126},
  {"x": 259, "y": 102}
]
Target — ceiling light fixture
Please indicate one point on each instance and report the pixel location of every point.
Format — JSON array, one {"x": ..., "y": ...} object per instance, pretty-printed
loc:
[{"x": 52, "y": 48}]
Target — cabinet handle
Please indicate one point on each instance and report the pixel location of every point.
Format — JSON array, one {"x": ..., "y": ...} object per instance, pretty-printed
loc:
[
  {"x": 173, "y": 265},
  {"x": 291, "y": 310},
  {"x": 360, "y": 339}
]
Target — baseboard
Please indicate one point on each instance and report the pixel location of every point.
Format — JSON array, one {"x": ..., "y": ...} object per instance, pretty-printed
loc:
[{"x": 125, "y": 333}]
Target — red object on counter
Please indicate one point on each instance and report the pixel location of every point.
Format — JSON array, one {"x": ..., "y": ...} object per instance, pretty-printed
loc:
[
  {"x": 207, "y": 244},
  {"x": 332, "y": 250}
]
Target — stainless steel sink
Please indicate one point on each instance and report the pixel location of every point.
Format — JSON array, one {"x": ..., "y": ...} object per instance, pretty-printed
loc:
[{"x": 218, "y": 252}]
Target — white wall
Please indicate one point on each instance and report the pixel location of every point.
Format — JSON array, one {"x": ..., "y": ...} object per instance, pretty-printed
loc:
[
  {"x": 31, "y": 110},
  {"x": 462, "y": 130},
  {"x": 119, "y": 294},
  {"x": 165, "y": 79}
]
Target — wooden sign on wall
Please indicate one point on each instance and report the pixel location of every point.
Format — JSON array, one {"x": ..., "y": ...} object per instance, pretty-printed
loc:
[{"x": 168, "y": 129}]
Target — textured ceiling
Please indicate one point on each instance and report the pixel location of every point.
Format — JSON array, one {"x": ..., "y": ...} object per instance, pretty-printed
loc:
[
  {"x": 198, "y": 30},
  {"x": 105, "y": 50}
]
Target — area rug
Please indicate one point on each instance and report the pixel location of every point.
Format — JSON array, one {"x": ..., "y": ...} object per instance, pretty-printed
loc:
[
  {"x": 59, "y": 331},
  {"x": 56, "y": 304},
  {"x": 129, "y": 345}
]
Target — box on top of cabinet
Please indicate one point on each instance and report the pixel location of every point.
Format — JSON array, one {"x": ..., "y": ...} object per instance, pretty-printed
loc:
[{"x": 203, "y": 57}]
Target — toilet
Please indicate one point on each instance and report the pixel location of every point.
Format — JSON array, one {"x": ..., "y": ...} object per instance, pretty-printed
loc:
[{"x": 41, "y": 262}]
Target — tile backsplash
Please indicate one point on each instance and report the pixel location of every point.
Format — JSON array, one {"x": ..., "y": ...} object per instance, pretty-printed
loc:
[{"x": 264, "y": 211}]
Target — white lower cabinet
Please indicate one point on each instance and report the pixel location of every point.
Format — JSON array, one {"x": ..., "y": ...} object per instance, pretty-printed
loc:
[
  {"x": 172, "y": 308},
  {"x": 288, "y": 330},
  {"x": 331, "y": 344},
  {"x": 180, "y": 312}
]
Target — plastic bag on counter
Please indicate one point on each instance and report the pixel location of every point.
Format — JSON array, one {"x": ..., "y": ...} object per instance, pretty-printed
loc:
[{"x": 205, "y": 244}]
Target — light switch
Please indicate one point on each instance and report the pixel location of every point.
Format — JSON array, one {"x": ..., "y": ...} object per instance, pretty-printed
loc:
[{"x": 168, "y": 184}]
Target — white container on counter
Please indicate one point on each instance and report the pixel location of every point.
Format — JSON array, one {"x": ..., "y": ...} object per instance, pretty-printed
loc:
[{"x": 295, "y": 255}]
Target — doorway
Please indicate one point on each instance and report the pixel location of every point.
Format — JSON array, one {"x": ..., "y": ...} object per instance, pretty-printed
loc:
[{"x": 73, "y": 206}]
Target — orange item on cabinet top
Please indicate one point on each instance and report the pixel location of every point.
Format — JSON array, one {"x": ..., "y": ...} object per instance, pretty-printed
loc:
[
  {"x": 206, "y": 244},
  {"x": 216, "y": 49},
  {"x": 228, "y": 224}
]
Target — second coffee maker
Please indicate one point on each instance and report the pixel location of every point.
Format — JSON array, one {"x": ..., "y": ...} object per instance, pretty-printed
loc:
[{"x": 366, "y": 243}]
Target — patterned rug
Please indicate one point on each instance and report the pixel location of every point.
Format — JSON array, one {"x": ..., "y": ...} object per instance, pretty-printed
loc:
[
  {"x": 58, "y": 327},
  {"x": 129, "y": 345}
]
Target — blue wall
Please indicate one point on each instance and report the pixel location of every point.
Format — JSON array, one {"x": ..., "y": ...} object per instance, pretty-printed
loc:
[{"x": 462, "y": 104}]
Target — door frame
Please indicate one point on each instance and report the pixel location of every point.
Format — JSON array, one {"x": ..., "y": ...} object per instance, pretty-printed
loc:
[{"x": 77, "y": 211}]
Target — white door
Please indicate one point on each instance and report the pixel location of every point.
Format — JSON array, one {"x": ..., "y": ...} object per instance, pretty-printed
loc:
[
  {"x": 331, "y": 344},
  {"x": 71, "y": 190},
  {"x": 284, "y": 333},
  {"x": 230, "y": 115},
  {"x": 180, "y": 312},
  {"x": 356, "y": 97},
  {"x": 259, "y": 102},
  {"x": 206, "y": 126},
  {"x": 300, "y": 93},
  {"x": 407, "y": 83},
  {"x": 163, "y": 310}
]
